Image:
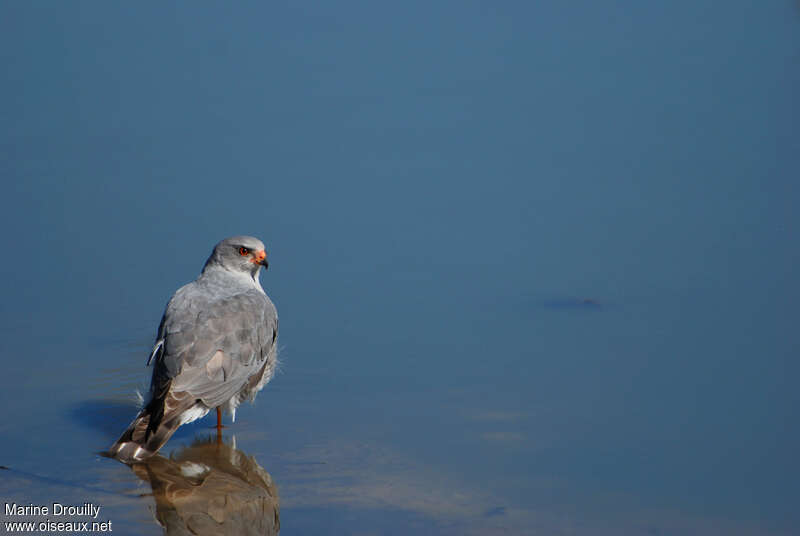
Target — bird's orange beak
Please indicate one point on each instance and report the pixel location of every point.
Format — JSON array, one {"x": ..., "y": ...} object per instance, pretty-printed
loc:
[{"x": 260, "y": 257}]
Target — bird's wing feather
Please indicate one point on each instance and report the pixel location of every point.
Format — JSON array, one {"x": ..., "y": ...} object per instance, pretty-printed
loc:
[{"x": 212, "y": 346}]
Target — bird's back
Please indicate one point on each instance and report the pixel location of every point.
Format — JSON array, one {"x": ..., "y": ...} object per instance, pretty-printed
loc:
[{"x": 216, "y": 334}]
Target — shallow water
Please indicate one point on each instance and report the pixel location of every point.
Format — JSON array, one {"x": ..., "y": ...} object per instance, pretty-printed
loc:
[{"x": 535, "y": 266}]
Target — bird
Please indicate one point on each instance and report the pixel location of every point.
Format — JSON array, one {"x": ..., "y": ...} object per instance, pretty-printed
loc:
[{"x": 216, "y": 347}]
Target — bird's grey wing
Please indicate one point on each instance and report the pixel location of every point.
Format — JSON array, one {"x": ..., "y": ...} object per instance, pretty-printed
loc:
[{"x": 211, "y": 349}]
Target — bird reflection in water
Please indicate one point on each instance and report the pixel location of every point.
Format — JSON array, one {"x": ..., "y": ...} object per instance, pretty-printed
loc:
[{"x": 210, "y": 488}]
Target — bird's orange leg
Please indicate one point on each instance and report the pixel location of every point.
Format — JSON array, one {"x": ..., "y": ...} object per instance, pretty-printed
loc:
[{"x": 219, "y": 421}]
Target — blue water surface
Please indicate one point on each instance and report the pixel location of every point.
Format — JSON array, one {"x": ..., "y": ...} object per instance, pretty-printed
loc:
[{"x": 535, "y": 262}]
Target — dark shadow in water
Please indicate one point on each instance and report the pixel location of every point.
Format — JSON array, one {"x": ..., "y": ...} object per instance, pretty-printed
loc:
[
  {"x": 211, "y": 488},
  {"x": 574, "y": 304},
  {"x": 108, "y": 416},
  {"x": 112, "y": 416}
]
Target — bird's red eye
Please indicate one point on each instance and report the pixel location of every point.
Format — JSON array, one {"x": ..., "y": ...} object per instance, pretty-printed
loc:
[{"x": 244, "y": 251}]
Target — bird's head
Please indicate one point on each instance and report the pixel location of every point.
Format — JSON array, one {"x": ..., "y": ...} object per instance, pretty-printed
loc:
[{"x": 239, "y": 254}]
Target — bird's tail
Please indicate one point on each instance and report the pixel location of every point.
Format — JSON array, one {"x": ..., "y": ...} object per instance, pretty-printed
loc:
[{"x": 152, "y": 427}]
